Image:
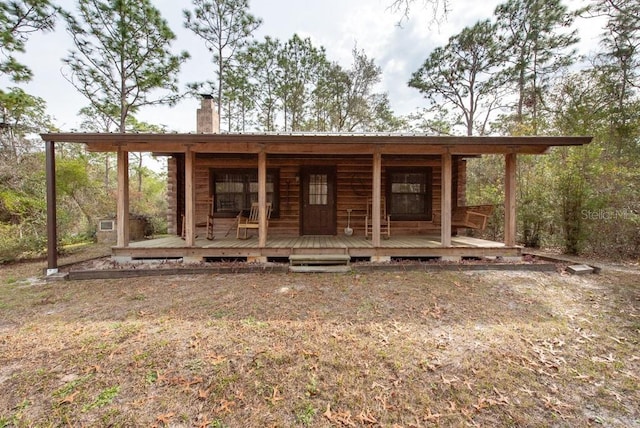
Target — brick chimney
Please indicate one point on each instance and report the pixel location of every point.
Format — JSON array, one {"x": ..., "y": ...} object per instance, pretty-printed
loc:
[{"x": 208, "y": 120}]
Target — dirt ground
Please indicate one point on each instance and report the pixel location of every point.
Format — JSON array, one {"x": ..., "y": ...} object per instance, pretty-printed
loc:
[{"x": 394, "y": 349}]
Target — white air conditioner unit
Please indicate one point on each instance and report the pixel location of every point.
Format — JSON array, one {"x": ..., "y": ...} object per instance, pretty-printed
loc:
[{"x": 107, "y": 225}]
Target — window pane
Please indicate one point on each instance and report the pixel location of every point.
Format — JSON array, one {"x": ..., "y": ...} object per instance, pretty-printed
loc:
[
  {"x": 236, "y": 191},
  {"x": 406, "y": 188},
  {"x": 318, "y": 189},
  {"x": 229, "y": 190},
  {"x": 408, "y": 194},
  {"x": 407, "y": 204}
]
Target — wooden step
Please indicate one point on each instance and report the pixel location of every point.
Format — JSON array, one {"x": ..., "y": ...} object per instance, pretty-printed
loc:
[
  {"x": 319, "y": 259},
  {"x": 320, "y": 269}
]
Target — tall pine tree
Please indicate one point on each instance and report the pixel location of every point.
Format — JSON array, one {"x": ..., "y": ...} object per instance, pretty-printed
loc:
[
  {"x": 538, "y": 40},
  {"x": 225, "y": 26},
  {"x": 122, "y": 59}
]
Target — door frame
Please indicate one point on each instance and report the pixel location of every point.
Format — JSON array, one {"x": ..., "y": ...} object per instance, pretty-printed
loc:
[{"x": 331, "y": 172}]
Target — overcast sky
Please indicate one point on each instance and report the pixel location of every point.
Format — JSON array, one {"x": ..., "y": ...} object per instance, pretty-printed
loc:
[{"x": 338, "y": 25}]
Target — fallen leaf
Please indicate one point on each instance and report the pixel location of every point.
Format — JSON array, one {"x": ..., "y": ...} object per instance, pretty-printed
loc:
[
  {"x": 274, "y": 397},
  {"x": 69, "y": 398},
  {"x": 225, "y": 406},
  {"x": 216, "y": 359},
  {"x": 204, "y": 422},
  {"x": 164, "y": 419},
  {"x": 203, "y": 394},
  {"x": 327, "y": 413},
  {"x": 308, "y": 354},
  {"x": 431, "y": 416},
  {"x": 366, "y": 418},
  {"x": 449, "y": 381}
]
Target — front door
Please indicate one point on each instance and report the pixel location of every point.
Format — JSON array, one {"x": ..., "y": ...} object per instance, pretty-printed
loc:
[{"x": 318, "y": 207}]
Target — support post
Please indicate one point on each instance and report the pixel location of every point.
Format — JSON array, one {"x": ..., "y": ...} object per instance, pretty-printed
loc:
[
  {"x": 376, "y": 199},
  {"x": 510, "y": 200},
  {"x": 189, "y": 198},
  {"x": 122, "y": 215},
  {"x": 52, "y": 227},
  {"x": 445, "y": 200},
  {"x": 262, "y": 199}
]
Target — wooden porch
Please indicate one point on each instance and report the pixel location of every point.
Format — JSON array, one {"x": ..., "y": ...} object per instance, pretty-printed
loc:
[
  {"x": 295, "y": 154},
  {"x": 283, "y": 247}
]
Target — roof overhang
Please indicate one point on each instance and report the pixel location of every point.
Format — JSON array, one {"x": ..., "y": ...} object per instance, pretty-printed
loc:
[{"x": 314, "y": 143}]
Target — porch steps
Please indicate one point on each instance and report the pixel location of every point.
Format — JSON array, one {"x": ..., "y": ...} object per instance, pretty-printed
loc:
[{"x": 315, "y": 263}]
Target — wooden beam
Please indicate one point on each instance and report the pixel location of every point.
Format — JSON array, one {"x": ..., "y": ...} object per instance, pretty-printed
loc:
[
  {"x": 272, "y": 141},
  {"x": 189, "y": 198},
  {"x": 445, "y": 200},
  {"x": 262, "y": 199},
  {"x": 304, "y": 148},
  {"x": 510, "y": 200},
  {"x": 122, "y": 216},
  {"x": 376, "y": 199},
  {"x": 52, "y": 228}
]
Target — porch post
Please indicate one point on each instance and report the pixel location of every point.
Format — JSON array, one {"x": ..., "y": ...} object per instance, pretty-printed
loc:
[
  {"x": 510, "y": 200},
  {"x": 122, "y": 217},
  {"x": 52, "y": 229},
  {"x": 189, "y": 198},
  {"x": 262, "y": 199},
  {"x": 376, "y": 199},
  {"x": 445, "y": 200}
]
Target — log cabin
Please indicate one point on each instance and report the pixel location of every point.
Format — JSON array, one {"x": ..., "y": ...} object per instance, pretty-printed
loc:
[{"x": 321, "y": 190}]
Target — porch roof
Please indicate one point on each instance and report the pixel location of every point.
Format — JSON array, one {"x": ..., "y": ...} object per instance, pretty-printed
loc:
[{"x": 315, "y": 143}]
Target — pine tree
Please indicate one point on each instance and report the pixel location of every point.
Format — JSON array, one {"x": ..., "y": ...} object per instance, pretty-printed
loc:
[
  {"x": 464, "y": 74},
  {"x": 122, "y": 59},
  {"x": 225, "y": 26},
  {"x": 18, "y": 20},
  {"x": 538, "y": 41}
]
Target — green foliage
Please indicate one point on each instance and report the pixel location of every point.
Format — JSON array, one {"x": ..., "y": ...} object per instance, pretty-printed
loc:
[
  {"x": 485, "y": 185},
  {"x": 151, "y": 202},
  {"x": 122, "y": 60},
  {"x": 463, "y": 74},
  {"x": 345, "y": 101},
  {"x": 535, "y": 200},
  {"x": 305, "y": 414},
  {"x": 299, "y": 65},
  {"x": 261, "y": 58},
  {"x": 22, "y": 206},
  {"x": 225, "y": 26},
  {"x": 537, "y": 39},
  {"x": 22, "y": 184},
  {"x": 22, "y": 115},
  {"x": 18, "y": 20},
  {"x": 18, "y": 241},
  {"x": 105, "y": 398}
]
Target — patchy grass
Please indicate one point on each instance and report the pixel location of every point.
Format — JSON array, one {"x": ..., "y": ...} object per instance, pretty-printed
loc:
[{"x": 410, "y": 349}]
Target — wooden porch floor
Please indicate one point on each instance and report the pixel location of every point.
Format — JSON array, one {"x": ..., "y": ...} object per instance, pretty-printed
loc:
[{"x": 396, "y": 246}]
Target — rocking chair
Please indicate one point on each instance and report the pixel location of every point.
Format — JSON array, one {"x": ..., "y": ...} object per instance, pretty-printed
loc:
[{"x": 252, "y": 221}]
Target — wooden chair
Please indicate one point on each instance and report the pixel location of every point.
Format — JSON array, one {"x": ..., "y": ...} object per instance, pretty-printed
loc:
[
  {"x": 252, "y": 221},
  {"x": 471, "y": 217},
  {"x": 210, "y": 220},
  {"x": 385, "y": 220},
  {"x": 208, "y": 224}
]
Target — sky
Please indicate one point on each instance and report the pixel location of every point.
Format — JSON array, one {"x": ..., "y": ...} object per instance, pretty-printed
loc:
[{"x": 338, "y": 25}]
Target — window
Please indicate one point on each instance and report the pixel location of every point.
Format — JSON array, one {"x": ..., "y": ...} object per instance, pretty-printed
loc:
[
  {"x": 409, "y": 193},
  {"x": 235, "y": 190},
  {"x": 318, "y": 189}
]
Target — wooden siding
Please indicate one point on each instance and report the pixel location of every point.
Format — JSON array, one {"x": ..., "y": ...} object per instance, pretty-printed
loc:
[{"x": 354, "y": 184}]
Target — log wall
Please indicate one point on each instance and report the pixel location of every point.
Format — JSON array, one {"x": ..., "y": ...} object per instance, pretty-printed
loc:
[{"x": 353, "y": 189}]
